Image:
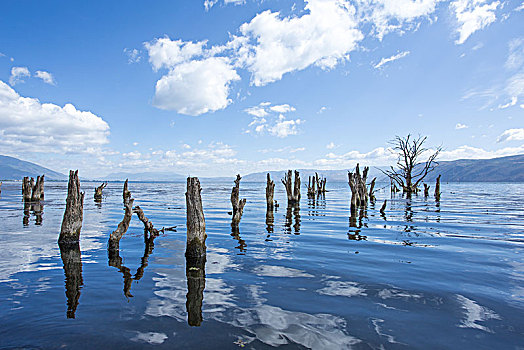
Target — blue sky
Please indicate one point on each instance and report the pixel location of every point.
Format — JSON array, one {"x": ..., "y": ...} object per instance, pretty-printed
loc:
[{"x": 216, "y": 87}]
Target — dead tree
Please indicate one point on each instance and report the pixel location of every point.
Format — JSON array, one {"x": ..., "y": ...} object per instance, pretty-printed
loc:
[
  {"x": 311, "y": 187},
  {"x": 321, "y": 184},
  {"x": 437, "y": 188},
  {"x": 148, "y": 225},
  {"x": 196, "y": 225},
  {"x": 98, "y": 192},
  {"x": 126, "y": 193},
  {"x": 116, "y": 235},
  {"x": 426, "y": 190},
  {"x": 292, "y": 189},
  {"x": 236, "y": 202},
  {"x": 359, "y": 192},
  {"x": 411, "y": 171},
  {"x": 73, "y": 215},
  {"x": 27, "y": 188},
  {"x": 270, "y": 192},
  {"x": 371, "y": 189},
  {"x": 37, "y": 189}
]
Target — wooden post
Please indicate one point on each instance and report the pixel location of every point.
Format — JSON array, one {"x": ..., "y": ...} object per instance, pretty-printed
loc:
[
  {"x": 270, "y": 192},
  {"x": 72, "y": 260},
  {"x": 73, "y": 215},
  {"x": 236, "y": 202},
  {"x": 98, "y": 192},
  {"x": 426, "y": 190},
  {"x": 371, "y": 188},
  {"x": 26, "y": 189},
  {"x": 37, "y": 189},
  {"x": 126, "y": 193},
  {"x": 196, "y": 225},
  {"x": 437, "y": 188},
  {"x": 311, "y": 184},
  {"x": 292, "y": 189},
  {"x": 116, "y": 235}
]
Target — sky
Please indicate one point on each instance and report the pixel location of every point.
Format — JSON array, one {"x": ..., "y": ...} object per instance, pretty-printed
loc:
[{"x": 219, "y": 87}]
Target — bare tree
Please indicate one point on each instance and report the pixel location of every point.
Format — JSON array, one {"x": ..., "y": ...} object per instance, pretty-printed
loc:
[{"x": 411, "y": 171}]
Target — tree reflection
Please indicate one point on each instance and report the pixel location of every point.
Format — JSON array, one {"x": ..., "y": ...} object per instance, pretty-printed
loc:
[
  {"x": 235, "y": 233},
  {"x": 292, "y": 214},
  {"x": 33, "y": 208},
  {"x": 72, "y": 260},
  {"x": 196, "y": 283}
]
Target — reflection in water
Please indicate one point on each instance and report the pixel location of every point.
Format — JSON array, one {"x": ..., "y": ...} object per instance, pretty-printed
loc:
[
  {"x": 196, "y": 283},
  {"x": 115, "y": 260},
  {"x": 72, "y": 261},
  {"x": 293, "y": 211},
  {"x": 34, "y": 208},
  {"x": 235, "y": 233},
  {"x": 270, "y": 221},
  {"x": 316, "y": 204}
]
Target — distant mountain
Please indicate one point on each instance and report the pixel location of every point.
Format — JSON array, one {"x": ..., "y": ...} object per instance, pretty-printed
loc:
[
  {"x": 15, "y": 169},
  {"x": 503, "y": 169},
  {"x": 144, "y": 176}
]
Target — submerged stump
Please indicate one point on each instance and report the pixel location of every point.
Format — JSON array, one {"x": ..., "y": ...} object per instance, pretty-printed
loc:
[
  {"x": 237, "y": 203},
  {"x": 116, "y": 235},
  {"x": 196, "y": 225},
  {"x": 73, "y": 215},
  {"x": 98, "y": 192},
  {"x": 270, "y": 192},
  {"x": 292, "y": 189},
  {"x": 126, "y": 194}
]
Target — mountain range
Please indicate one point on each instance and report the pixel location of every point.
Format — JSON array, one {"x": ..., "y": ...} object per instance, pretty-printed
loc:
[{"x": 503, "y": 169}]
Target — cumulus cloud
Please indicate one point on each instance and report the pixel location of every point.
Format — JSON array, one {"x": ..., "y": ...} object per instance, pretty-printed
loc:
[
  {"x": 511, "y": 135},
  {"x": 28, "y": 124},
  {"x": 277, "y": 45},
  {"x": 383, "y": 61},
  {"x": 473, "y": 15},
  {"x": 46, "y": 77},
  {"x": 196, "y": 87},
  {"x": 167, "y": 53},
  {"x": 18, "y": 74},
  {"x": 271, "y": 119}
]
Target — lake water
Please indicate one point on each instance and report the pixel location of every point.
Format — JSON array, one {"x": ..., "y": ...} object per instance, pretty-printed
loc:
[{"x": 426, "y": 275}]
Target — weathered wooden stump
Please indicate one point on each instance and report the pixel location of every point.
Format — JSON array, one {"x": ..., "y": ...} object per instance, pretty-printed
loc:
[
  {"x": 116, "y": 235},
  {"x": 371, "y": 189},
  {"x": 321, "y": 184},
  {"x": 72, "y": 260},
  {"x": 292, "y": 189},
  {"x": 311, "y": 187},
  {"x": 0, "y": 186},
  {"x": 196, "y": 225},
  {"x": 426, "y": 190},
  {"x": 98, "y": 192},
  {"x": 437, "y": 188},
  {"x": 73, "y": 215},
  {"x": 148, "y": 225},
  {"x": 26, "y": 189},
  {"x": 270, "y": 192},
  {"x": 37, "y": 190},
  {"x": 126, "y": 194},
  {"x": 196, "y": 283},
  {"x": 237, "y": 203}
]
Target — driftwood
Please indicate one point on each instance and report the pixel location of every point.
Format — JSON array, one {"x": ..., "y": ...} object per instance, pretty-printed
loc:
[
  {"x": 437, "y": 188},
  {"x": 98, "y": 192},
  {"x": 72, "y": 260},
  {"x": 426, "y": 190},
  {"x": 73, "y": 215},
  {"x": 292, "y": 190},
  {"x": 116, "y": 235},
  {"x": 237, "y": 203},
  {"x": 148, "y": 225},
  {"x": 270, "y": 192},
  {"x": 359, "y": 192},
  {"x": 196, "y": 225},
  {"x": 196, "y": 283},
  {"x": 126, "y": 193}
]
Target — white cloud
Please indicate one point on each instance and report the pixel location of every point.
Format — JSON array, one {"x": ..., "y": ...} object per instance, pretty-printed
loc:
[
  {"x": 284, "y": 128},
  {"x": 383, "y": 61},
  {"x": 460, "y": 126},
  {"x": 322, "y": 110},
  {"x": 46, "y": 77},
  {"x": 196, "y": 87},
  {"x": 132, "y": 155},
  {"x": 323, "y": 36},
  {"x": 394, "y": 15},
  {"x": 331, "y": 145},
  {"x": 270, "y": 119},
  {"x": 511, "y": 135},
  {"x": 473, "y": 15},
  {"x": 257, "y": 111},
  {"x": 510, "y": 103},
  {"x": 133, "y": 55},
  {"x": 515, "y": 85},
  {"x": 520, "y": 8},
  {"x": 18, "y": 74},
  {"x": 167, "y": 53},
  {"x": 27, "y": 124},
  {"x": 516, "y": 54},
  {"x": 210, "y": 3},
  {"x": 285, "y": 108}
]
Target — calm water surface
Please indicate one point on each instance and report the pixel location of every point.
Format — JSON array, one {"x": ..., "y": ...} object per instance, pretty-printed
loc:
[{"x": 426, "y": 275}]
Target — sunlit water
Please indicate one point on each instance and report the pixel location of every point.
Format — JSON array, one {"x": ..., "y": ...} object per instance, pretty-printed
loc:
[{"x": 424, "y": 275}]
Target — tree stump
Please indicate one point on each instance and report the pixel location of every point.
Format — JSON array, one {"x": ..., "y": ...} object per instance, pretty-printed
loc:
[
  {"x": 270, "y": 191},
  {"x": 292, "y": 189},
  {"x": 26, "y": 189},
  {"x": 116, "y": 235},
  {"x": 426, "y": 190},
  {"x": 311, "y": 187},
  {"x": 73, "y": 215},
  {"x": 321, "y": 184},
  {"x": 98, "y": 192},
  {"x": 37, "y": 189},
  {"x": 437, "y": 188},
  {"x": 371, "y": 188},
  {"x": 359, "y": 191},
  {"x": 0, "y": 186},
  {"x": 237, "y": 203},
  {"x": 196, "y": 225},
  {"x": 72, "y": 260},
  {"x": 126, "y": 193}
]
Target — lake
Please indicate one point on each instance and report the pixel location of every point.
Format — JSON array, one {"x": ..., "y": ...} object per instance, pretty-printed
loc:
[{"x": 427, "y": 274}]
